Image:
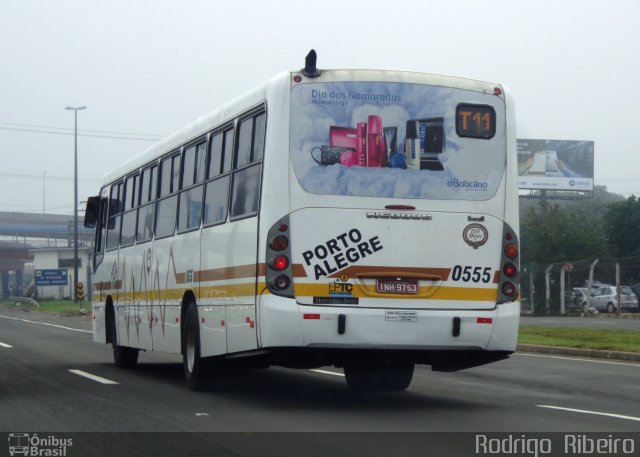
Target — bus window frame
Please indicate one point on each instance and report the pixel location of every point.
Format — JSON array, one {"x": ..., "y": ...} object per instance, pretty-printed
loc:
[
  {"x": 100, "y": 238},
  {"x": 202, "y": 140},
  {"x": 177, "y": 157},
  {"x": 250, "y": 114},
  {"x": 173, "y": 192},
  {"x": 135, "y": 178},
  {"x": 223, "y": 131},
  {"x": 150, "y": 199},
  {"x": 117, "y": 217}
]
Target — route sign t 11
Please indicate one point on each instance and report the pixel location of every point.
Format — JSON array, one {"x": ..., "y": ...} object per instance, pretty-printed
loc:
[{"x": 53, "y": 277}]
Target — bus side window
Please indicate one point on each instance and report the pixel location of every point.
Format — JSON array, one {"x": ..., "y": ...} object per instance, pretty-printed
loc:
[
  {"x": 201, "y": 154},
  {"x": 188, "y": 167},
  {"x": 167, "y": 205},
  {"x": 128, "y": 232},
  {"x": 245, "y": 194},
  {"x": 190, "y": 208},
  {"x": 216, "y": 194},
  {"x": 245, "y": 133},
  {"x": 246, "y": 191},
  {"x": 258, "y": 136},
  {"x": 175, "y": 177},
  {"x": 115, "y": 210},
  {"x": 190, "y": 204},
  {"x": 169, "y": 175},
  {"x": 215, "y": 155},
  {"x": 216, "y": 200},
  {"x": 147, "y": 198},
  {"x": 228, "y": 150},
  {"x": 101, "y": 232},
  {"x": 251, "y": 133}
]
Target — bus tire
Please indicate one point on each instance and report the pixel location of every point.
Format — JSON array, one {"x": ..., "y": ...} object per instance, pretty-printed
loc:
[
  {"x": 123, "y": 356},
  {"x": 387, "y": 375},
  {"x": 196, "y": 368}
]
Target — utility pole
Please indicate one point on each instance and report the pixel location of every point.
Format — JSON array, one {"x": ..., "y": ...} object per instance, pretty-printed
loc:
[{"x": 75, "y": 200}]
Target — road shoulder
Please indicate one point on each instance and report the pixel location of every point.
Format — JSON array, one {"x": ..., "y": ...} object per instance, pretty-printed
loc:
[{"x": 576, "y": 352}]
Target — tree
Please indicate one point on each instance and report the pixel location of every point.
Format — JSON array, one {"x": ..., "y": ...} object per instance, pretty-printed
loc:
[
  {"x": 551, "y": 234},
  {"x": 554, "y": 234},
  {"x": 622, "y": 226}
]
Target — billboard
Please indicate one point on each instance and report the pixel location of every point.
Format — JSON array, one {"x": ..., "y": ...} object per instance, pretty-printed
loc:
[{"x": 555, "y": 164}]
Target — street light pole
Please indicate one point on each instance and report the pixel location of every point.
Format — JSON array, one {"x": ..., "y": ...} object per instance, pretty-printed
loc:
[{"x": 75, "y": 201}]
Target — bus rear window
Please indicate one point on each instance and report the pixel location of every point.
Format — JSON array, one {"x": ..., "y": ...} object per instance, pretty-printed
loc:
[{"x": 398, "y": 140}]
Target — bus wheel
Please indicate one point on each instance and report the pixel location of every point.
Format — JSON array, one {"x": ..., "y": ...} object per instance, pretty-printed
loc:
[
  {"x": 196, "y": 368},
  {"x": 387, "y": 375},
  {"x": 123, "y": 356}
]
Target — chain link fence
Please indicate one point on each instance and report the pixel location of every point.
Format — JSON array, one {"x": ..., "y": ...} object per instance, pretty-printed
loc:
[{"x": 542, "y": 286}]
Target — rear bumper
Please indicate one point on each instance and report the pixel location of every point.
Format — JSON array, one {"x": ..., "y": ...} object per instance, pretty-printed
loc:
[{"x": 285, "y": 323}]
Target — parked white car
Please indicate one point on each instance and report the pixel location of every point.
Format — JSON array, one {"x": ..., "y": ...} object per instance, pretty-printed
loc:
[
  {"x": 605, "y": 298},
  {"x": 577, "y": 299}
]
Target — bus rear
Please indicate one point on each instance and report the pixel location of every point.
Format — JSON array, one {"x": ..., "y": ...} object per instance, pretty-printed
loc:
[{"x": 400, "y": 245}]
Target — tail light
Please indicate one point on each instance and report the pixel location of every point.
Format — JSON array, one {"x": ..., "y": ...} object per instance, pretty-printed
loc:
[
  {"x": 509, "y": 267},
  {"x": 279, "y": 271},
  {"x": 279, "y": 243},
  {"x": 510, "y": 270},
  {"x": 279, "y": 263}
]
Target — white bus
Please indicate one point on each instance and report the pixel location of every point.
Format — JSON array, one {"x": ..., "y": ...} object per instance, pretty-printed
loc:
[{"x": 364, "y": 219}]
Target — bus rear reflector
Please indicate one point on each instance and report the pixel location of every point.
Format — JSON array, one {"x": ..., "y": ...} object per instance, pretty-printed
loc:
[
  {"x": 311, "y": 316},
  {"x": 484, "y": 320},
  {"x": 279, "y": 243},
  {"x": 511, "y": 251},
  {"x": 509, "y": 289},
  {"x": 282, "y": 282}
]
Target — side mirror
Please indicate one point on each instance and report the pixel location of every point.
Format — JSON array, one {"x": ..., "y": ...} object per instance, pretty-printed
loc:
[{"x": 91, "y": 212}]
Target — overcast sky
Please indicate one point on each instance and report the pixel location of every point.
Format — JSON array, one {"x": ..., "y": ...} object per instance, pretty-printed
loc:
[{"x": 150, "y": 67}]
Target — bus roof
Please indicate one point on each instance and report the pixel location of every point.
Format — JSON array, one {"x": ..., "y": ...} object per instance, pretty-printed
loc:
[{"x": 258, "y": 94}]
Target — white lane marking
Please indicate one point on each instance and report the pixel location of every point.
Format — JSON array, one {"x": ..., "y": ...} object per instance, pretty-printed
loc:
[
  {"x": 586, "y": 359},
  {"x": 583, "y": 411},
  {"x": 5, "y": 345},
  {"x": 93, "y": 377},
  {"x": 45, "y": 323},
  {"x": 328, "y": 372}
]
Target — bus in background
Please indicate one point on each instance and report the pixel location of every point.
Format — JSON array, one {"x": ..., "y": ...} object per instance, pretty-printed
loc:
[{"x": 364, "y": 219}]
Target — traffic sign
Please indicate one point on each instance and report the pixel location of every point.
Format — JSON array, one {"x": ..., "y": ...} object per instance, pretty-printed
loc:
[
  {"x": 80, "y": 291},
  {"x": 51, "y": 277}
]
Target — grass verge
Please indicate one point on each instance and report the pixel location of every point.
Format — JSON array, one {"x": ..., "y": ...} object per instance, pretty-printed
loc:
[
  {"x": 67, "y": 307},
  {"x": 583, "y": 338}
]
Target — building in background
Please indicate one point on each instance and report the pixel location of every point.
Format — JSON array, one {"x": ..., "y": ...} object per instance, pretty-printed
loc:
[{"x": 53, "y": 272}]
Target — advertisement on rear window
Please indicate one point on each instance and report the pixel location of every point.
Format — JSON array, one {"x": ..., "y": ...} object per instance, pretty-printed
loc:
[{"x": 397, "y": 140}]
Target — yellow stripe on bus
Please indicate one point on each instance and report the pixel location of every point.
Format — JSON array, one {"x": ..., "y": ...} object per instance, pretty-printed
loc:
[
  {"x": 311, "y": 290},
  {"x": 224, "y": 291},
  {"x": 430, "y": 292}
]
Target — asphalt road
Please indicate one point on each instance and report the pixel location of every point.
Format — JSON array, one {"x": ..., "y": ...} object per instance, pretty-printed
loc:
[{"x": 44, "y": 387}]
